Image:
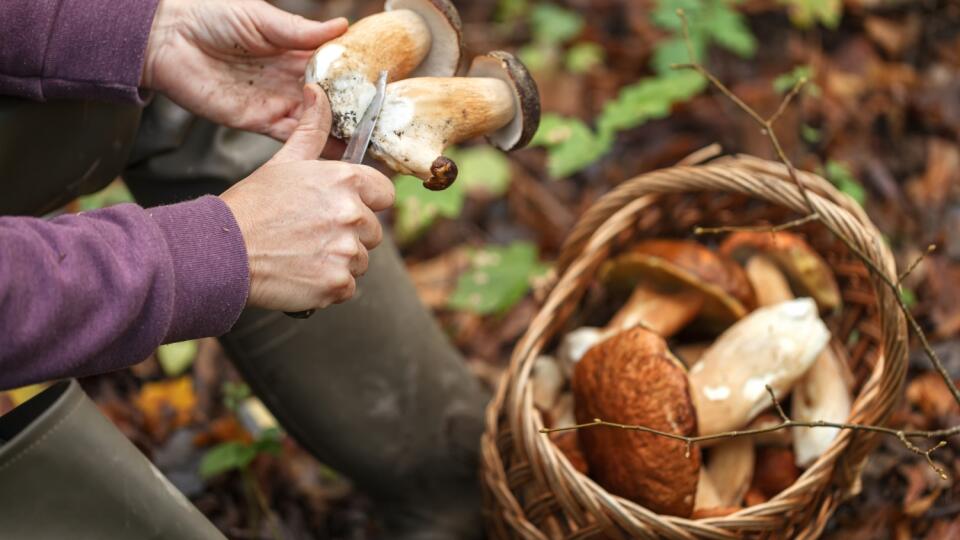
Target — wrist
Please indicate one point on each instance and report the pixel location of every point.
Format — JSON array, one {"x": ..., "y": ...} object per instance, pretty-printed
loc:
[{"x": 166, "y": 23}]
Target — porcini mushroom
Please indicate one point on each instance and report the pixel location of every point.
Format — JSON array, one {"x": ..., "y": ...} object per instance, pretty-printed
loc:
[
  {"x": 632, "y": 378},
  {"x": 729, "y": 471},
  {"x": 411, "y": 38},
  {"x": 775, "y": 345},
  {"x": 546, "y": 380},
  {"x": 675, "y": 282},
  {"x": 823, "y": 392},
  {"x": 421, "y": 117},
  {"x": 804, "y": 267}
]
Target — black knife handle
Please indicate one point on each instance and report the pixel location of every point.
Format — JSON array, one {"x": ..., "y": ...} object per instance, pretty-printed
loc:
[{"x": 300, "y": 314}]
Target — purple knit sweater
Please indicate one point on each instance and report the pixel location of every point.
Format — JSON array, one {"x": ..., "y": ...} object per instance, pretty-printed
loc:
[{"x": 98, "y": 291}]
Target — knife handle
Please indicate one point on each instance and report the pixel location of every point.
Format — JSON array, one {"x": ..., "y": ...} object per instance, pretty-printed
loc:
[{"x": 300, "y": 314}]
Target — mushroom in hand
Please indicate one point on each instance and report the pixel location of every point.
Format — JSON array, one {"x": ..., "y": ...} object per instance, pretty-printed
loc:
[{"x": 632, "y": 378}]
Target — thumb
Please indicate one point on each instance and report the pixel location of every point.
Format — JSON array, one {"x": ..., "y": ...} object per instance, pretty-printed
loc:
[{"x": 308, "y": 140}]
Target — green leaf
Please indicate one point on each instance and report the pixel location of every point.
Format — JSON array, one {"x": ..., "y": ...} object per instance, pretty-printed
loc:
[
  {"x": 810, "y": 134},
  {"x": 784, "y": 83},
  {"x": 908, "y": 296},
  {"x": 176, "y": 358},
  {"x": 553, "y": 24},
  {"x": 226, "y": 457},
  {"x": 840, "y": 175},
  {"x": 673, "y": 51},
  {"x": 728, "y": 28},
  {"x": 649, "y": 99},
  {"x": 665, "y": 13},
  {"x": 806, "y": 13},
  {"x": 115, "y": 193},
  {"x": 510, "y": 10},
  {"x": 269, "y": 442},
  {"x": 234, "y": 393},
  {"x": 538, "y": 56},
  {"x": 498, "y": 278},
  {"x": 572, "y": 144},
  {"x": 483, "y": 170},
  {"x": 417, "y": 207},
  {"x": 582, "y": 57}
]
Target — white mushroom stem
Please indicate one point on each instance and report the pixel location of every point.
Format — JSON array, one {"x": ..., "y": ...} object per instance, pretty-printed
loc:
[
  {"x": 562, "y": 413},
  {"x": 574, "y": 345},
  {"x": 822, "y": 394},
  {"x": 768, "y": 281},
  {"x": 662, "y": 313},
  {"x": 422, "y": 117},
  {"x": 707, "y": 496},
  {"x": 773, "y": 346},
  {"x": 546, "y": 380},
  {"x": 730, "y": 470}
]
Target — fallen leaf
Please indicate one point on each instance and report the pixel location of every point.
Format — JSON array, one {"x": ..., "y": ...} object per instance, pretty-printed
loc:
[
  {"x": 166, "y": 405},
  {"x": 930, "y": 394}
]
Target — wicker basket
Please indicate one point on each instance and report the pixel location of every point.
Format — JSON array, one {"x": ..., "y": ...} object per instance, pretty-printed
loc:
[{"x": 531, "y": 490}]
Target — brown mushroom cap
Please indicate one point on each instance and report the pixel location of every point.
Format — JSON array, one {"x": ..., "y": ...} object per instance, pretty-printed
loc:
[
  {"x": 446, "y": 30},
  {"x": 677, "y": 264},
  {"x": 506, "y": 67},
  {"x": 805, "y": 268},
  {"x": 632, "y": 378}
]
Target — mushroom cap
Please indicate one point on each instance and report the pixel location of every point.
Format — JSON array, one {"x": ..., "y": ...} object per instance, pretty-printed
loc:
[
  {"x": 804, "y": 267},
  {"x": 676, "y": 264},
  {"x": 446, "y": 30},
  {"x": 506, "y": 67},
  {"x": 632, "y": 378}
]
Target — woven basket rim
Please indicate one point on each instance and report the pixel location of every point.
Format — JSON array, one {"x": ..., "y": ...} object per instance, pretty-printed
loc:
[{"x": 613, "y": 213}]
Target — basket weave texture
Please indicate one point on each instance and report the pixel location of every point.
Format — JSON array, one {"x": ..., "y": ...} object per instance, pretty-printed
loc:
[{"x": 531, "y": 490}]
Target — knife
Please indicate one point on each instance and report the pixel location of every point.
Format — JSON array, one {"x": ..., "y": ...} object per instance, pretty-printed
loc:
[{"x": 357, "y": 147}]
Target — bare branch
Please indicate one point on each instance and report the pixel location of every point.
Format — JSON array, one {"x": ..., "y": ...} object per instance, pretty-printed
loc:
[
  {"x": 757, "y": 228},
  {"x": 916, "y": 262},
  {"x": 786, "y": 101}
]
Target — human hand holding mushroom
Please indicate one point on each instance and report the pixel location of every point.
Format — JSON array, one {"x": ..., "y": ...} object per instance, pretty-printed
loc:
[{"x": 431, "y": 110}]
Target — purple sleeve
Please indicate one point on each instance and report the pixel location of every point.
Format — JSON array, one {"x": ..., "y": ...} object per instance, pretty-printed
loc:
[
  {"x": 98, "y": 291},
  {"x": 74, "y": 49}
]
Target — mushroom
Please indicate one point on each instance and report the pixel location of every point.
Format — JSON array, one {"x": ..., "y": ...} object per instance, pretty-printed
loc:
[
  {"x": 729, "y": 468},
  {"x": 422, "y": 117},
  {"x": 546, "y": 380},
  {"x": 775, "y": 471},
  {"x": 675, "y": 282},
  {"x": 804, "y": 267},
  {"x": 632, "y": 378},
  {"x": 411, "y": 38},
  {"x": 690, "y": 353},
  {"x": 574, "y": 345},
  {"x": 775, "y": 345},
  {"x": 823, "y": 393}
]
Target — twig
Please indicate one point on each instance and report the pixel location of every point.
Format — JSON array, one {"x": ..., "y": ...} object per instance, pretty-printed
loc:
[
  {"x": 785, "y": 423},
  {"x": 758, "y": 228},
  {"x": 767, "y": 129},
  {"x": 916, "y": 262}
]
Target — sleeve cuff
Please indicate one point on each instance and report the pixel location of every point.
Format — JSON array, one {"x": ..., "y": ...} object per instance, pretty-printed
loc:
[
  {"x": 211, "y": 271},
  {"x": 110, "y": 65}
]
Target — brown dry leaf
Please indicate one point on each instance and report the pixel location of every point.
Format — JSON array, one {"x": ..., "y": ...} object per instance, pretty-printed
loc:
[
  {"x": 894, "y": 36},
  {"x": 930, "y": 394},
  {"x": 945, "y": 295},
  {"x": 929, "y": 193},
  {"x": 223, "y": 429},
  {"x": 166, "y": 405},
  {"x": 944, "y": 530},
  {"x": 917, "y": 500},
  {"x": 436, "y": 278}
]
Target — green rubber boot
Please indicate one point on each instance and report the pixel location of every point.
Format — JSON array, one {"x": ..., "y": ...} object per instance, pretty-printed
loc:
[
  {"x": 371, "y": 387},
  {"x": 67, "y": 472}
]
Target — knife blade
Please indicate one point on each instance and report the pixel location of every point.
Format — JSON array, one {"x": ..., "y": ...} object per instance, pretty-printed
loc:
[{"x": 357, "y": 147}]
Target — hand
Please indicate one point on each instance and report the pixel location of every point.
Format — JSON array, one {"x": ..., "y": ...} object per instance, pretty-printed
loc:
[
  {"x": 308, "y": 224},
  {"x": 239, "y": 63}
]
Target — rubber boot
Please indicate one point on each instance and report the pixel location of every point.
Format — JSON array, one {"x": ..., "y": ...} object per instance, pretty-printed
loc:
[
  {"x": 67, "y": 472},
  {"x": 371, "y": 387}
]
